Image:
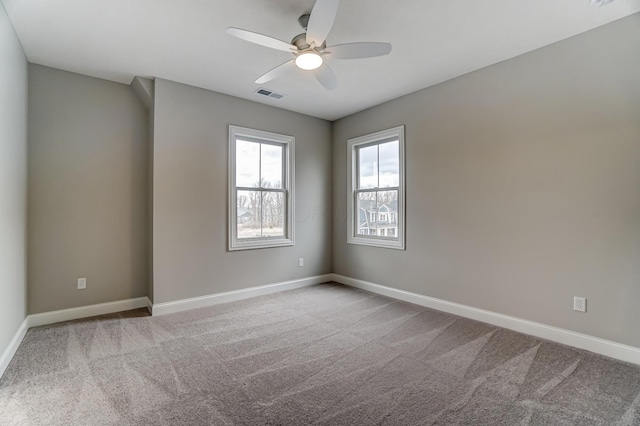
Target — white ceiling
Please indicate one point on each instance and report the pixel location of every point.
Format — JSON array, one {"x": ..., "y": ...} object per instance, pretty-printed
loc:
[{"x": 185, "y": 41}]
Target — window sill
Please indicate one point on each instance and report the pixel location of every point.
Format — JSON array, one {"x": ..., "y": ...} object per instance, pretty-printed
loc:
[
  {"x": 377, "y": 242},
  {"x": 252, "y": 245}
]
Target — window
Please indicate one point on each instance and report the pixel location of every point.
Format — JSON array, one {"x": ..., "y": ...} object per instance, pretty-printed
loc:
[
  {"x": 376, "y": 189},
  {"x": 260, "y": 189}
]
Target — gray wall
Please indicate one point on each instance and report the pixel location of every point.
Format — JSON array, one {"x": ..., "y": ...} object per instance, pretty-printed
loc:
[
  {"x": 143, "y": 88},
  {"x": 88, "y": 167},
  {"x": 150, "y": 130},
  {"x": 190, "y": 195},
  {"x": 13, "y": 182},
  {"x": 523, "y": 187}
]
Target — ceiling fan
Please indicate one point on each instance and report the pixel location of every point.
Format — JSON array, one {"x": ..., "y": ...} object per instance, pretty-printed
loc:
[{"x": 310, "y": 48}]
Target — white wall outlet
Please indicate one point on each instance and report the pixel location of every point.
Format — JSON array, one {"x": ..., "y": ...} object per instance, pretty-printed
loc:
[
  {"x": 82, "y": 283},
  {"x": 301, "y": 261},
  {"x": 580, "y": 304}
]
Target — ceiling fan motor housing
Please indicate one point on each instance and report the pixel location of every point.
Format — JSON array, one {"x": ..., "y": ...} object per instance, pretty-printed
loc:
[
  {"x": 303, "y": 20},
  {"x": 300, "y": 41}
]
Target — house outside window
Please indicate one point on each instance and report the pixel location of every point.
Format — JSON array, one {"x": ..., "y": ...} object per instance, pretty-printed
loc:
[
  {"x": 261, "y": 166},
  {"x": 376, "y": 189}
]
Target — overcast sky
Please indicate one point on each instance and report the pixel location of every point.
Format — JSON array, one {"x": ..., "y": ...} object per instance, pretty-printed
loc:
[
  {"x": 381, "y": 175},
  {"x": 249, "y": 167}
]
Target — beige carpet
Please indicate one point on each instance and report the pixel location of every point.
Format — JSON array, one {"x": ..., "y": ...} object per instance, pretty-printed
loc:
[{"x": 326, "y": 354}]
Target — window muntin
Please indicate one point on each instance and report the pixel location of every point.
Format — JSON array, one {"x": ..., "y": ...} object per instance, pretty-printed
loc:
[
  {"x": 376, "y": 189},
  {"x": 260, "y": 189}
]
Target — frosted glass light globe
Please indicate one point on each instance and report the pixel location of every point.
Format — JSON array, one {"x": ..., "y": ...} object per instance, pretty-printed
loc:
[{"x": 309, "y": 61}]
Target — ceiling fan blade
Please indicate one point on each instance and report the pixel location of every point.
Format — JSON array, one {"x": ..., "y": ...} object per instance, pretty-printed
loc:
[
  {"x": 261, "y": 39},
  {"x": 321, "y": 20},
  {"x": 358, "y": 50},
  {"x": 326, "y": 77},
  {"x": 277, "y": 72}
]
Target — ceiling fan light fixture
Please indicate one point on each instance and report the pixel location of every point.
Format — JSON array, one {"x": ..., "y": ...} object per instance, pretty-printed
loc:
[
  {"x": 310, "y": 48},
  {"x": 308, "y": 61}
]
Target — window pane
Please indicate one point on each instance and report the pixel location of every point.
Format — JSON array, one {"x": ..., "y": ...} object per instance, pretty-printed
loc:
[
  {"x": 366, "y": 216},
  {"x": 376, "y": 172},
  {"x": 247, "y": 164},
  {"x": 271, "y": 166},
  {"x": 273, "y": 208},
  {"x": 368, "y": 167},
  {"x": 387, "y": 205},
  {"x": 249, "y": 213},
  {"x": 261, "y": 195},
  {"x": 389, "y": 164}
]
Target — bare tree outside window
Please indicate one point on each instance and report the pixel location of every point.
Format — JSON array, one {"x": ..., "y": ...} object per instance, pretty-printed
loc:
[
  {"x": 376, "y": 189},
  {"x": 261, "y": 189},
  {"x": 261, "y": 211}
]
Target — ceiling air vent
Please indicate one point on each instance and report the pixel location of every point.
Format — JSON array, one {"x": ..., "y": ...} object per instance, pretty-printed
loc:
[{"x": 264, "y": 92}]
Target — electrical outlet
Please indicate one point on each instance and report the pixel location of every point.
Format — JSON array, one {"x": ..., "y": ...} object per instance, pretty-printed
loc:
[
  {"x": 301, "y": 261},
  {"x": 82, "y": 283},
  {"x": 579, "y": 304}
]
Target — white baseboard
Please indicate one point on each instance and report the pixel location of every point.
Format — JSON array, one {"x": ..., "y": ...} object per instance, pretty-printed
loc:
[
  {"x": 231, "y": 296},
  {"x": 566, "y": 337},
  {"x": 13, "y": 346},
  {"x": 52, "y": 317},
  {"x": 594, "y": 344},
  {"x": 149, "y": 305}
]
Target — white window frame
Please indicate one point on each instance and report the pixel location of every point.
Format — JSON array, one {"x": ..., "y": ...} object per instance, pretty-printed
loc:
[
  {"x": 288, "y": 163},
  {"x": 397, "y": 242}
]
